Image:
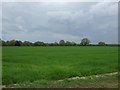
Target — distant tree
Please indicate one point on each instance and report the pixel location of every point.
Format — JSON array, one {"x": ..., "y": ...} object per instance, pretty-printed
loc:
[
  {"x": 73, "y": 43},
  {"x": 7, "y": 43},
  {"x": 18, "y": 43},
  {"x": 85, "y": 41},
  {"x": 38, "y": 43},
  {"x": 47, "y": 44},
  {"x": 61, "y": 42},
  {"x": 0, "y": 42},
  {"x": 11, "y": 43},
  {"x": 3, "y": 43},
  {"x": 51, "y": 44},
  {"x": 27, "y": 43},
  {"x": 68, "y": 43},
  {"x": 55, "y": 44},
  {"x": 101, "y": 43}
]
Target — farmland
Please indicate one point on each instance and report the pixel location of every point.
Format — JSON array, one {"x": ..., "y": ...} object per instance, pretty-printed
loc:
[{"x": 29, "y": 64}]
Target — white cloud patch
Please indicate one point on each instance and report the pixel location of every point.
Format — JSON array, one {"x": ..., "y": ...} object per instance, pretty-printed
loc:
[{"x": 104, "y": 9}]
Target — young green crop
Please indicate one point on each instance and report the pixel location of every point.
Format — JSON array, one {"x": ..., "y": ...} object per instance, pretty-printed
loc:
[{"x": 22, "y": 64}]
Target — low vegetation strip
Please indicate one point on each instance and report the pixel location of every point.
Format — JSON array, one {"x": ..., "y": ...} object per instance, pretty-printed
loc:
[
  {"x": 28, "y": 64},
  {"x": 100, "y": 75},
  {"x": 106, "y": 81}
]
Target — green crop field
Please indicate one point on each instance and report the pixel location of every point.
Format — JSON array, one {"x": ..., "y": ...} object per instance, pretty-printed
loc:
[{"x": 29, "y": 64}]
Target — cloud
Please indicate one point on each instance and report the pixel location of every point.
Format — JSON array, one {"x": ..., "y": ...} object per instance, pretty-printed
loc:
[
  {"x": 104, "y": 9},
  {"x": 44, "y": 36},
  {"x": 60, "y": 1},
  {"x": 55, "y": 21}
]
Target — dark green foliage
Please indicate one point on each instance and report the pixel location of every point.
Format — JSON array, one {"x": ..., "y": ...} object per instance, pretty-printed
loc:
[
  {"x": 18, "y": 43},
  {"x": 3, "y": 43},
  {"x": 101, "y": 43},
  {"x": 11, "y": 43},
  {"x": 27, "y": 43},
  {"x": 85, "y": 42},
  {"x": 0, "y": 42},
  {"x": 67, "y": 43},
  {"x": 38, "y": 43},
  {"x": 62, "y": 43}
]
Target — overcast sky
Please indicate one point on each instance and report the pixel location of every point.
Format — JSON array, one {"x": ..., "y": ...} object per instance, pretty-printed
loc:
[{"x": 69, "y": 21}]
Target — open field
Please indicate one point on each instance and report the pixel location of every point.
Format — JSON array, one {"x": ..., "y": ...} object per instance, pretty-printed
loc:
[{"x": 29, "y": 64}]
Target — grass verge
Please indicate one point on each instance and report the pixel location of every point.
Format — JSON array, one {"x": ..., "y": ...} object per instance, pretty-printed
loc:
[{"x": 89, "y": 82}]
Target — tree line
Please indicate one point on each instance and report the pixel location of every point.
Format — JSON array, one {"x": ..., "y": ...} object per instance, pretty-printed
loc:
[{"x": 84, "y": 42}]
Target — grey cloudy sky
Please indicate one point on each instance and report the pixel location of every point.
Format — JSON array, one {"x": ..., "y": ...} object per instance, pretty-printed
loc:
[{"x": 69, "y": 21}]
